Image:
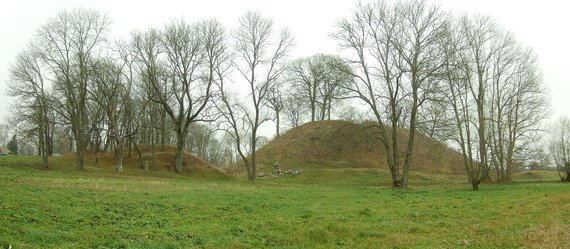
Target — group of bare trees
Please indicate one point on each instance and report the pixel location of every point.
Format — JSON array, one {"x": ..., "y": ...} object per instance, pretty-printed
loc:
[
  {"x": 108, "y": 94},
  {"x": 319, "y": 81},
  {"x": 462, "y": 79},
  {"x": 497, "y": 98},
  {"x": 177, "y": 65},
  {"x": 396, "y": 58},
  {"x": 61, "y": 54},
  {"x": 153, "y": 88}
]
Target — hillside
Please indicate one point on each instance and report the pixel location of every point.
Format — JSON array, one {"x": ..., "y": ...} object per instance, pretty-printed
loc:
[{"x": 341, "y": 144}]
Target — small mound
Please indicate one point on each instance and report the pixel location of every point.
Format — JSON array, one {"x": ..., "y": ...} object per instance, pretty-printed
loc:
[
  {"x": 536, "y": 175},
  {"x": 159, "y": 158},
  {"x": 342, "y": 144}
]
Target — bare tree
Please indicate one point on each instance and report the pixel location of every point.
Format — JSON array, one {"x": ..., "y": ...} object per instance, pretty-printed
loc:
[
  {"x": 178, "y": 64},
  {"x": 181, "y": 97},
  {"x": 517, "y": 106},
  {"x": 560, "y": 148},
  {"x": 396, "y": 49},
  {"x": 68, "y": 43},
  {"x": 29, "y": 85},
  {"x": 259, "y": 62},
  {"x": 493, "y": 87}
]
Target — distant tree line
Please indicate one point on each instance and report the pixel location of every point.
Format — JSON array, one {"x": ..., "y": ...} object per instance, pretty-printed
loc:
[{"x": 462, "y": 80}]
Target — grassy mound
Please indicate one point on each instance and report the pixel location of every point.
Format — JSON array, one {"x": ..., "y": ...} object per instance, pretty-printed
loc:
[
  {"x": 166, "y": 160},
  {"x": 160, "y": 163},
  {"x": 341, "y": 144}
]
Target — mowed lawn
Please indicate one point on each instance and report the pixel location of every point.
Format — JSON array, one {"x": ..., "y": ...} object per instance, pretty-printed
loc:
[{"x": 342, "y": 208}]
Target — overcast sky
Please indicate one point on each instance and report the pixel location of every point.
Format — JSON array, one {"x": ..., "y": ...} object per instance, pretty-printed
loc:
[{"x": 542, "y": 25}]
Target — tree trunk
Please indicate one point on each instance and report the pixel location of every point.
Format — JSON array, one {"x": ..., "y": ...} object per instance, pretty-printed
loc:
[
  {"x": 45, "y": 161},
  {"x": 253, "y": 173},
  {"x": 329, "y": 110},
  {"x": 277, "y": 123},
  {"x": 143, "y": 163},
  {"x": 43, "y": 147},
  {"x": 248, "y": 170},
  {"x": 567, "y": 169},
  {"x": 179, "y": 151},
  {"x": 475, "y": 184},
  {"x": 508, "y": 173},
  {"x": 80, "y": 157},
  {"x": 395, "y": 167},
  {"x": 313, "y": 109},
  {"x": 411, "y": 138},
  {"x": 153, "y": 154},
  {"x": 80, "y": 147},
  {"x": 162, "y": 131},
  {"x": 323, "y": 114},
  {"x": 393, "y": 163},
  {"x": 71, "y": 139},
  {"x": 397, "y": 182},
  {"x": 49, "y": 138},
  {"x": 119, "y": 154}
]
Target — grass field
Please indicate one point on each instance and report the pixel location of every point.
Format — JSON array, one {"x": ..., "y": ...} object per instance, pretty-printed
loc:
[{"x": 334, "y": 208}]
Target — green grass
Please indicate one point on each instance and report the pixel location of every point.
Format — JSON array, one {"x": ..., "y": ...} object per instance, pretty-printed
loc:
[{"x": 340, "y": 208}]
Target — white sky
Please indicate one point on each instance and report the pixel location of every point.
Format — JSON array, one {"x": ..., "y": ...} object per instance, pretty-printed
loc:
[{"x": 542, "y": 25}]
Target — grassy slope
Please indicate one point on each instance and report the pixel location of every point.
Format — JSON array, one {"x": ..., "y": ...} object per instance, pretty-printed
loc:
[
  {"x": 322, "y": 208},
  {"x": 164, "y": 159},
  {"x": 342, "y": 144}
]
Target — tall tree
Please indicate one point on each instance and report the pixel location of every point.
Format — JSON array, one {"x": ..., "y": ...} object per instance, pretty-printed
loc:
[
  {"x": 68, "y": 43},
  {"x": 29, "y": 85},
  {"x": 178, "y": 65},
  {"x": 259, "y": 61},
  {"x": 517, "y": 106},
  {"x": 396, "y": 48},
  {"x": 494, "y": 90}
]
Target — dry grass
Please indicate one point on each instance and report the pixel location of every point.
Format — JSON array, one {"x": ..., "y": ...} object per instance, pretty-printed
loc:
[{"x": 547, "y": 236}]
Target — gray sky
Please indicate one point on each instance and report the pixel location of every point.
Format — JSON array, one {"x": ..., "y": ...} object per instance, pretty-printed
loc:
[{"x": 542, "y": 25}]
